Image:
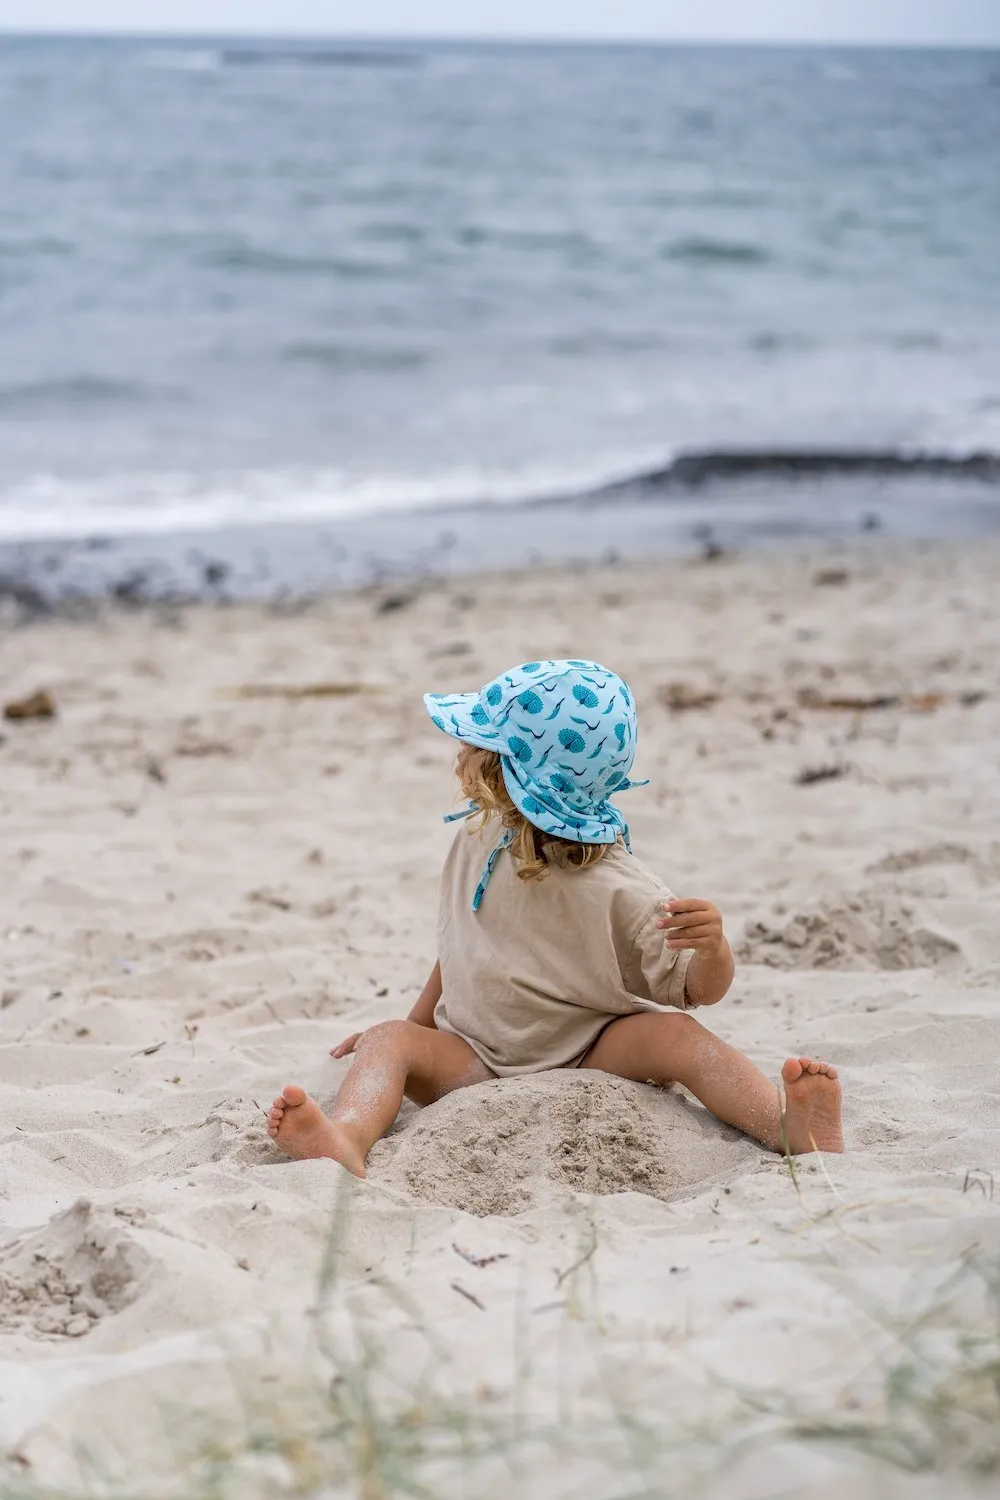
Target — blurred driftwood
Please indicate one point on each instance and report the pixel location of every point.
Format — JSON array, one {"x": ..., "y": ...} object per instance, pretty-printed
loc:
[
  {"x": 299, "y": 690},
  {"x": 921, "y": 703},
  {"x": 40, "y": 705}
]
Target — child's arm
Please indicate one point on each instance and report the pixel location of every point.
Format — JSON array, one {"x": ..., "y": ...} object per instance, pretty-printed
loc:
[
  {"x": 697, "y": 925},
  {"x": 422, "y": 1013}
]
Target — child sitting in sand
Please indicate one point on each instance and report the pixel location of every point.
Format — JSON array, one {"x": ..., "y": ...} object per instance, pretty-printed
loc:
[{"x": 556, "y": 947}]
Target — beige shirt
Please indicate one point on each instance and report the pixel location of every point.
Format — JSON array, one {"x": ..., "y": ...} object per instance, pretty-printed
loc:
[{"x": 532, "y": 979}]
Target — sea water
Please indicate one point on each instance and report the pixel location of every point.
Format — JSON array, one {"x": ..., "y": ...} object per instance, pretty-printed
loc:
[{"x": 244, "y": 283}]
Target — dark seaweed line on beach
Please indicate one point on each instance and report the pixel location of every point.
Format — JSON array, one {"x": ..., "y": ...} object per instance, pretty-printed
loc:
[{"x": 693, "y": 470}]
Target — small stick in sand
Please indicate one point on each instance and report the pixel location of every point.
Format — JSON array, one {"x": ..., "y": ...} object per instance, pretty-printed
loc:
[
  {"x": 978, "y": 1177},
  {"x": 479, "y": 1261},
  {"x": 469, "y": 1296},
  {"x": 588, "y": 1255}
]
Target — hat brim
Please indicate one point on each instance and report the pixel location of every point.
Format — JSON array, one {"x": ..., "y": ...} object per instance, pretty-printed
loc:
[{"x": 455, "y": 714}]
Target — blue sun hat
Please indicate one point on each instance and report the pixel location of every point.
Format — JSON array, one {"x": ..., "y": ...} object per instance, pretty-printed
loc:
[{"x": 566, "y": 735}]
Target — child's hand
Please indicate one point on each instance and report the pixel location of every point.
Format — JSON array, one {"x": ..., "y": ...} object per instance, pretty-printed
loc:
[
  {"x": 347, "y": 1046},
  {"x": 690, "y": 923}
]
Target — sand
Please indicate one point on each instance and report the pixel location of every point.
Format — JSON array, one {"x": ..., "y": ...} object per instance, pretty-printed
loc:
[{"x": 555, "y": 1285}]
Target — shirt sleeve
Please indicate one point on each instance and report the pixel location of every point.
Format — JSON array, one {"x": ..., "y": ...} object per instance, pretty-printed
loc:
[{"x": 655, "y": 972}]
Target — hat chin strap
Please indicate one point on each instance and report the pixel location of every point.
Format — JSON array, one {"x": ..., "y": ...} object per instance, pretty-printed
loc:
[{"x": 505, "y": 843}]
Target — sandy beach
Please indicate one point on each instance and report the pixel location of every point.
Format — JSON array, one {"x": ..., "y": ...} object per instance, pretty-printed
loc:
[{"x": 551, "y": 1286}]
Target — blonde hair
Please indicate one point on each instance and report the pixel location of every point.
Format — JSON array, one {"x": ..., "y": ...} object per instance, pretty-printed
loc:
[{"x": 481, "y": 776}]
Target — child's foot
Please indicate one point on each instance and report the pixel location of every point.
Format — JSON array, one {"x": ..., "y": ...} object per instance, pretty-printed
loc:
[
  {"x": 304, "y": 1132},
  {"x": 812, "y": 1106}
]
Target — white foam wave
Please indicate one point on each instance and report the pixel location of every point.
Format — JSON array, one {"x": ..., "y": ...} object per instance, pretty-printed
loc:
[{"x": 157, "y": 504}]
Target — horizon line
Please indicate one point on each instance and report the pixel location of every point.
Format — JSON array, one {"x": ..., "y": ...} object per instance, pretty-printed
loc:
[{"x": 513, "y": 39}]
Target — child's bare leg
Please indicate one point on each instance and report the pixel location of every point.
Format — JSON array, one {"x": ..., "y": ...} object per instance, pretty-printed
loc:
[
  {"x": 391, "y": 1059},
  {"x": 677, "y": 1048}
]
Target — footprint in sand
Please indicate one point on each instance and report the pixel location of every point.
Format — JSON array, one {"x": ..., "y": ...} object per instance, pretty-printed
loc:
[
  {"x": 62, "y": 1280},
  {"x": 862, "y": 932},
  {"x": 924, "y": 855}
]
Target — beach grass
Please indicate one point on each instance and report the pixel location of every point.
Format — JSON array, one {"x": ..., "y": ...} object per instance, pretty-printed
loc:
[
  {"x": 374, "y": 1420},
  {"x": 937, "y": 1405}
]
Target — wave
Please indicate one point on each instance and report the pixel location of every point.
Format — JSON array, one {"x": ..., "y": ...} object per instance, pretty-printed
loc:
[
  {"x": 702, "y": 250},
  {"x": 180, "y": 59},
  {"x": 317, "y": 57},
  {"x": 34, "y": 247},
  {"x": 356, "y": 357},
  {"x": 913, "y": 339},
  {"x": 709, "y": 197},
  {"x": 564, "y": 242},
  {"x": 690, "y": 471},
  {"x": 76, "y": 391},
  {"x": 771, "y": 341},
  {"x": 164, "y": 504},
  {"x": 288, "y": 263},
  {"x": 587, "y": 343},
  {"x": 393, "y": 233}
]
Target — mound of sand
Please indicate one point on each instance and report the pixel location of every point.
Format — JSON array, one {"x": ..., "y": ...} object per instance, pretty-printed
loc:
[
  {"x": 512, "y": 1144},
  {"x": 60, "y": 1281},
  {"x": 860, "y": 932}
]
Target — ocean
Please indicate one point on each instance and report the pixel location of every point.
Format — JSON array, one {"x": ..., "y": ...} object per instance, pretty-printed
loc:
[{"x": 358, "y": 306}]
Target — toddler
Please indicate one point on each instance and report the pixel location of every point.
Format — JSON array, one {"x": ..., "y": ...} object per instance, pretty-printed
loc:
[{"x": 557, "y": 948}]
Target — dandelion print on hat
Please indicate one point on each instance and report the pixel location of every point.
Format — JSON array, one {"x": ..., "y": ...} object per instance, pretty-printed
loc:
[{"x": 566, "y": 735}]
